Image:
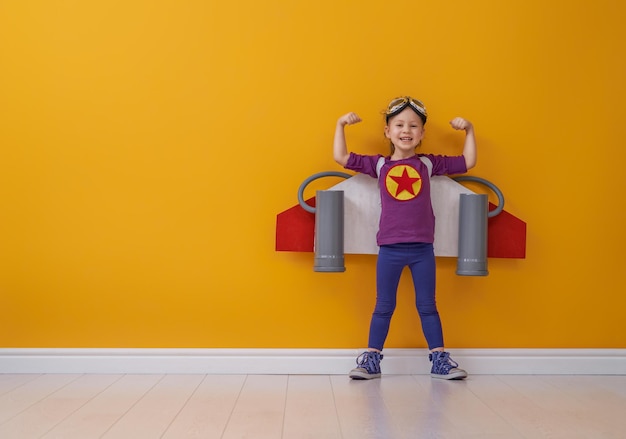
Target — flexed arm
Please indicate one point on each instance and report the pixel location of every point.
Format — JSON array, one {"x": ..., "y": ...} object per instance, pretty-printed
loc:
[
  {"x": 469, "y": 149},
  {"x": 340, "y": 149}
]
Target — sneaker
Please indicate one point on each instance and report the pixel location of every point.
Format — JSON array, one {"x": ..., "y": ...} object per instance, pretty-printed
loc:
[
  {"x": 444, "y": 367},
  {"x": 368, "y": 366}
]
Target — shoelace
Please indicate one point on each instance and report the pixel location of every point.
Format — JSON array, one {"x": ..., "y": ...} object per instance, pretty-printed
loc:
[
  {"x": 445, "y": 362},
  {"x": 367, "y": 361}
]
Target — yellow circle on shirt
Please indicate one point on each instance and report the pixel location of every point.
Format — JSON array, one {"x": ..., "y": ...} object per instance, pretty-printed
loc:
[{"x": 403, "y": 182}]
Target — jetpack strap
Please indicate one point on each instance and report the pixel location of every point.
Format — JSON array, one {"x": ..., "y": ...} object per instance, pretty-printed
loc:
[{"x": 425, "y": 160}]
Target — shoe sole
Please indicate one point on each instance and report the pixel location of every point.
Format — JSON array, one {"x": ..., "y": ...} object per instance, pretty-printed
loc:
[
  {"x": 357, "y": 374},
  {"x": 461, "y": 375}
]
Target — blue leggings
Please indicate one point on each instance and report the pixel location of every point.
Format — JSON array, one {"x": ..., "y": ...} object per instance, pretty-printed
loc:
[{"x": 420, "y": 258}]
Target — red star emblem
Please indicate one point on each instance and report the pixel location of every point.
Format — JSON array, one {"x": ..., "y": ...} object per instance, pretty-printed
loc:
[{"x": 403, "y": 182}]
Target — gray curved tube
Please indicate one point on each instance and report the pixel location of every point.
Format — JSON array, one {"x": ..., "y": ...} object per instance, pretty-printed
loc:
[
  {"x": 306, "y": 182},
  {"x": 491, "y": 186}
]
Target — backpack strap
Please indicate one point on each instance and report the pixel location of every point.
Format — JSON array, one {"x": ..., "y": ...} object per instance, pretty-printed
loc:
[
  {"x": 425, "y": 160},
  {"x": 428, "y": 164},
  {"x": 379, "y": 165}
]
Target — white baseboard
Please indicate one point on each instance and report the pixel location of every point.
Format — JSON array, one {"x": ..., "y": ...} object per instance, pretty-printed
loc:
[{"x": 307, "y": 361}]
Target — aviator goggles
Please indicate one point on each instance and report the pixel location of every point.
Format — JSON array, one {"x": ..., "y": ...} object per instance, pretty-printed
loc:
[{"x": 399, "y": 104}]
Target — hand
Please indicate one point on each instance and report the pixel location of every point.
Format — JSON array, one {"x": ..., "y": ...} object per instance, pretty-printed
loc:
[
  {"x": 458, "y": 123},
  {"x": 349, "y": 119}
]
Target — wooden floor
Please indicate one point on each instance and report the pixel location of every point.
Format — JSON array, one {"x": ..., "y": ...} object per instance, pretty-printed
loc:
[{"x": 311, "y": 406}]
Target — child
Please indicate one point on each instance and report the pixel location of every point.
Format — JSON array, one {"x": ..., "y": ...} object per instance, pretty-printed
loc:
[{"x": 407, "y": 225}]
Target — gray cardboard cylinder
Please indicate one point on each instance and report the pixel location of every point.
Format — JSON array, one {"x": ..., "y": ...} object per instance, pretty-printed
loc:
[
  {"x": 472, "y": 259},
  {"x": 329, "y": 232}
]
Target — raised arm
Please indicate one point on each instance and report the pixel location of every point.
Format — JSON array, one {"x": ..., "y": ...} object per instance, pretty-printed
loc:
[
  {"x": 469, "y": 148},
  {"x": 340, "y": 149}
]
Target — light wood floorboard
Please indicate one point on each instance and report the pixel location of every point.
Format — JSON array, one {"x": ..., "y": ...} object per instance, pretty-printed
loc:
[
  {"x": 45, "y": 414},
  {"x": 155, "y": 411},
  {"x": 310, "y": 410},
  {"x": 208, "y": 410},
  {"x": 259, "y": 411},
  {"x": 311, "y": 406},
  {"x": 99, "y": 414}
]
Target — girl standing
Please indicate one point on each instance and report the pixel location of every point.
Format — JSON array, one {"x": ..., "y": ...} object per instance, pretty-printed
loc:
[{"x": 407, "y": 225}]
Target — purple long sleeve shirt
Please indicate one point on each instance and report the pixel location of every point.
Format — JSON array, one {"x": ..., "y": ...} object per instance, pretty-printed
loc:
[{"x": 406, "y": 209}]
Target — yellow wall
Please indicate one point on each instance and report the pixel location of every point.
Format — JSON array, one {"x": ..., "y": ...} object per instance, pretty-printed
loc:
[{"x": 147, "y": 146}]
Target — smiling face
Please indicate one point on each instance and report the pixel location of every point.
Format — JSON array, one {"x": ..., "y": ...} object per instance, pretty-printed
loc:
[{"x": 406, "y": 131}]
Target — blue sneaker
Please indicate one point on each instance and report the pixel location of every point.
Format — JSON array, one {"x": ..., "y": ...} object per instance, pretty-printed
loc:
[
  {"x": 444, "y": 367},
  {"x": 368, "y": 366}
]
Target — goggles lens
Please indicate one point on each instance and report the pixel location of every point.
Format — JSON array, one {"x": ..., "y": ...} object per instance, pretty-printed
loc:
[{"x": 398, "y": 104}]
